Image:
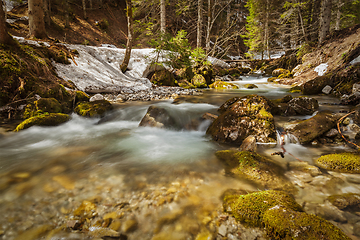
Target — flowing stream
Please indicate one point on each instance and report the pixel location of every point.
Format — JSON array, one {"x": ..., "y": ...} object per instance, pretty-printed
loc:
[{"x": 168, "y": 180}]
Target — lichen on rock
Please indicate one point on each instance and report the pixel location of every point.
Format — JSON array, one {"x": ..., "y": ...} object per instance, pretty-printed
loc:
[{"x": 340, "y": 162}]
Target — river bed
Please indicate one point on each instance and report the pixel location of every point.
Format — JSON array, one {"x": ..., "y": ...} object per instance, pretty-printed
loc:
[{"x": 146, "y": 183}]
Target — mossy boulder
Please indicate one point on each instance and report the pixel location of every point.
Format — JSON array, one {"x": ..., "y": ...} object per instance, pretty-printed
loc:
[
  {"x": 185, "y": 84},
  {"x": 308, "y": 130},
  {"x": 296, "y": 89},
  {"x": 158, "y": 117},
  {"x": 81, "y": 97},
  {"x": 256, "y": 168},
  {"x": 250, "y": 86},
  {"x": 249, "y": 209},
  {"x": 199, "y": 81},
  {"x": 242, "y": 117},
  {"x": 220, "y": 85},
  {"x": 280, "y": 72},
  {"x": 302, "y": 106},
  {"x": 93, "y": 109},
  {"x": 282, "y": 222},
  {"x": 206, "y": 71},
  {"x": 163, "y": 78},
  {"x": 347, "y": 202},
  {"x": 49, "y": 119},
  {"x": 340, "y": 162},
  {"x": 315, "y": 85},
  {"x": 50, "y": 105}
]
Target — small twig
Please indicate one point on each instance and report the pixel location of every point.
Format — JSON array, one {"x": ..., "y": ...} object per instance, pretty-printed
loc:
[{"x": 338, "y": 127}]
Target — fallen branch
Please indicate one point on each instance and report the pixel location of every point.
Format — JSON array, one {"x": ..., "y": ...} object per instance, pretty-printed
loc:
[
  {"x": 282, "y": 154},
  {"x": 338, "y": 127}
]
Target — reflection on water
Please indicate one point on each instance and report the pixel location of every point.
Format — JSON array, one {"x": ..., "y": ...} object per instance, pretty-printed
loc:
[{"x": 117, "y": 161}]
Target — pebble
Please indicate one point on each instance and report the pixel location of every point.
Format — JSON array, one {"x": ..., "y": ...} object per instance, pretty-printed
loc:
[{"x": 223, "y": 230}]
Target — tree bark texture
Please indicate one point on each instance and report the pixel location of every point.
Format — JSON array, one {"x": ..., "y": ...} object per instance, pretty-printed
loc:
[
  {"x": 5, "y": 38},
  {"x": 84, "y": 8},
  {"x": 208, "y": 28},
  {"x": 200, "y": 24},
  {"x": 129, "y": 42},
  {"x": 325, "y": 20},
  {"x": 36, "y": 19},
  {"x": 338, "y": 15},
  {"x": 162, "y": 16},
  {"x": 315, "y": 20},
  {"x": 47, "y": 12}
]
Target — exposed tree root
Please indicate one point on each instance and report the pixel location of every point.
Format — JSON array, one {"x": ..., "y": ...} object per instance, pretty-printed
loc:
[{"x": 338, "y": 127}]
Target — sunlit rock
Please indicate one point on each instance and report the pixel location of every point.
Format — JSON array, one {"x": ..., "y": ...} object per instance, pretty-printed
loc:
[
  {"x": 340, "y": 162},
  {"x": 249, "y": 144},
  {"x": 86, "y": 210},
  {"x": 157, "y": 117},
  {"x": 52, "y": 119},
  {"x": 242, "y": 117},
  {"x": 250, "y": 86},
  {"x": 302, "y": 106},
  {"x": 93, "y": 109},
  {"x": 223, "y": 85}
]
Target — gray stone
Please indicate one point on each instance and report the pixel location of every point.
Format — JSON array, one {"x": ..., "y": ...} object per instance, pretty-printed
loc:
[
  {"x": 332, "y": 133},
  {"x": 223, "y": 230},
  {"x": 327, "y": 89},
  {"x": 96, "y": 97},
  {"x": 356, "y": 88}
]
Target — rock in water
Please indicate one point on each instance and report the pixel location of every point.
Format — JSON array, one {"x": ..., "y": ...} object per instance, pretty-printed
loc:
[
  {"x": 302, "y": 106},
  {"x": 249, "y": 144},
  {"x": 242, "y": 117},
  {"x": 157, "y": 117}
]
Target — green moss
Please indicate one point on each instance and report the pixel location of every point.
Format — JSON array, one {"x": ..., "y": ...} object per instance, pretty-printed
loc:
[
  {"x": 199, "y": 81},
  {"x": 93, "y": 109},
  {"x": 220, "y": 85},
  {"x": 163, "y": 78},
  {"x": 282, "y": 222},
  {"x": 81, "y": 97},
  {"x": 250, "y": 86},
  {"x": 348, "y": 201},
  {"x": 249, "y": 209},
  {"x": 256, "y": 168},
  {"x": 295, "y": 89},
  {"x": 340, "y": 162},
  {"x": 50, "y": 105},
  {"x": 46, "y": 119}
]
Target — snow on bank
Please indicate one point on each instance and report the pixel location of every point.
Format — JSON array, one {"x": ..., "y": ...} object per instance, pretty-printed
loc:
[
  {"x": 355, "y": 61},
  {"x": 321, "y": 69}
]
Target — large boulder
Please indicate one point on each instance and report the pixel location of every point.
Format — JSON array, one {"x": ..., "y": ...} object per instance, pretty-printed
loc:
[
  {"x": 163, "y": 78},
  {"x": 315, "y": 85},
  {"x": 340, "y": 162},
  {"x": 307, "y": 130},
  {"x": 242, "y": 117},
  {"x": 52, "y": 119},
  {"x": 157, "y": 117},
  {"x": 302, "y": 106},
  {"x": 256, "y": 168},
  {"x": 93, "y": 109}
]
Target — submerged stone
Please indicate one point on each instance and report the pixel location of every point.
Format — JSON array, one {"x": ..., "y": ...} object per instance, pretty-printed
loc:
[
  {"x": 340, "y": 162},
  {"x": 52, "y": 119},
  {"x": 256, "y": 168}
]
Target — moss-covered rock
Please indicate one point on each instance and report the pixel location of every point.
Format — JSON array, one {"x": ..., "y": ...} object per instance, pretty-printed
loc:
[
  {"x": 315, "y": 85},
  {"x": 206, "y": 71},
  {"x": 242, "y": 117},
  {"x": 93, "y": 109},
  {"x": 282, "y": 222},
  {"x": 348, "y": 201},
  {"x": 256, "y": 168},
  {"x": 163, "y": 78},
  {"x": 52, "y": 119},
  {"x": 50, "y": 105},
  {"x": 302, "y": 106},
  {"x": 199, "y": 81},
  {"x": 280, "y": 71},
  {"x": 220, "y": 85},
  {"x": 185, "y": 84},
  {"x": 296, "y": 89},
  {"x": 249, "y": 209},
  {"x": 250, "y": 86},
  {"x": 340, "y": 162},
  {"x": 308, "y": 130}
]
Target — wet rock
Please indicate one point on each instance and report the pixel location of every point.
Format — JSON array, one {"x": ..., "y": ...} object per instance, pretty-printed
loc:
[
  {"x": 223, "y": 230},
  {"x": 52, "y": 119},
  {"x": 354, "y": 127},
  {"x": 302, "y": 106},
  {"x": 348, "y": 201},
  {"x": 250, "y": 86},
  {"x": 223, "y": 85},
  {"x": 351, "y": 99},
  {"x": 249, "y": 144},
  {"x": 256, "y": 168},
  {"x": 332, "y": 133},
  {"x": 330, "y": 212},
  {"x": 287, "y": 223},
  {"x": 86, "y": 210},
  {"x": 305, "y": 167},
  {"x": 204, "y": 235},
  {"x": 327, "y": 89},
  {"x": 129, "y": 225},
  {"x": 353, "y": 178},
  {"x": 340, "y": 162},
  {"x": 97, "y": 97},
  {"x": 315, "y": 85},
  {"x": 93, "y": 109},
  {"x": 80, "y": 96},
  {"x": 242, "y": 117},
  {"x": 280, "y": 71},
  {"x": 158, "y": 117},
  {"x": 102, "y": 232},
  {"x": 308, "y": 130},
  {"x": 34, "y": 233},
  {"x": 357, "y": 229}
]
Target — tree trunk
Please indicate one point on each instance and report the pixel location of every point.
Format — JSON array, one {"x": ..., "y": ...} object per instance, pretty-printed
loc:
[
  {"x": 47, "y": 12},
  {"x": 36, "y": 19},
  {"x": 267, "y": 29},
  {"x": 208, "y": 28},
  {"x": 325, "y": 20},
  {"x": 129, "y": 42},
  {"x": 199, "y": 24},
  {"x": 67, "y": 22},
  {"x": 315, "y": 20},
  {"x": 338, "y": 15},
  {"x": 162, "y": 17},
  {"x": 5, "y": 38},
  {"x": 84, "y": 8}
]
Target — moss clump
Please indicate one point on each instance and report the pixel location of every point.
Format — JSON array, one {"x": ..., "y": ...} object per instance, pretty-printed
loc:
[
  {"x": 295, "y": 89},
  {"x": 199, "y": 81},
  {"x": 348, "y": 201},
  {"x": 50, "y": 105},
  {"x": 163, "y": 78},
  {"x": 282, "y": 222},
  {"x": 220, "y": 85},
  {"x": 93, "y": 109},
  {"x": 47, "y": 119},
  {"x": 280, "y": 72},
  {"x": 81, "y": 97},
  {"x": 256, "y": 168},
  {"x": 249, "y": 209},
  {"x": 340, "y": 162},
  {"x": 250, "y": 86}
]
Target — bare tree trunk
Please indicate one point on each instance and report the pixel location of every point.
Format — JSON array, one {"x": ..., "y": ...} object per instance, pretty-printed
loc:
[
  {"x": 84, "y": 8},
  {"x": 36, "y": 19},
  {"x": 325, "y": 20},
  {"x": 315, "y": 20},
  {"x": 67, "y": 23},
  {"x": 47, "y": 12},
  {"x": 338, "y": 15},
  {"x": 208, "y": 28},
  {"x": 91, "y": 4},
  {"x": 199, "y": 24},
  {"x": 129, "y": 42},
  {"x": 267, "y": 29},
  {"x": 5, "y": 38},
  {"x": 162, "y": 16}
]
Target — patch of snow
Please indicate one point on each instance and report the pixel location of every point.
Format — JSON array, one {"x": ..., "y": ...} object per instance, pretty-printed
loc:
[
  {"x": 355, "y": 61},
  {"x": 321, "y": 69},
  {"x": 96, "y": 97},
  {"x": 31, "y": 42},
  {"x": 218, "y": 62}
]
